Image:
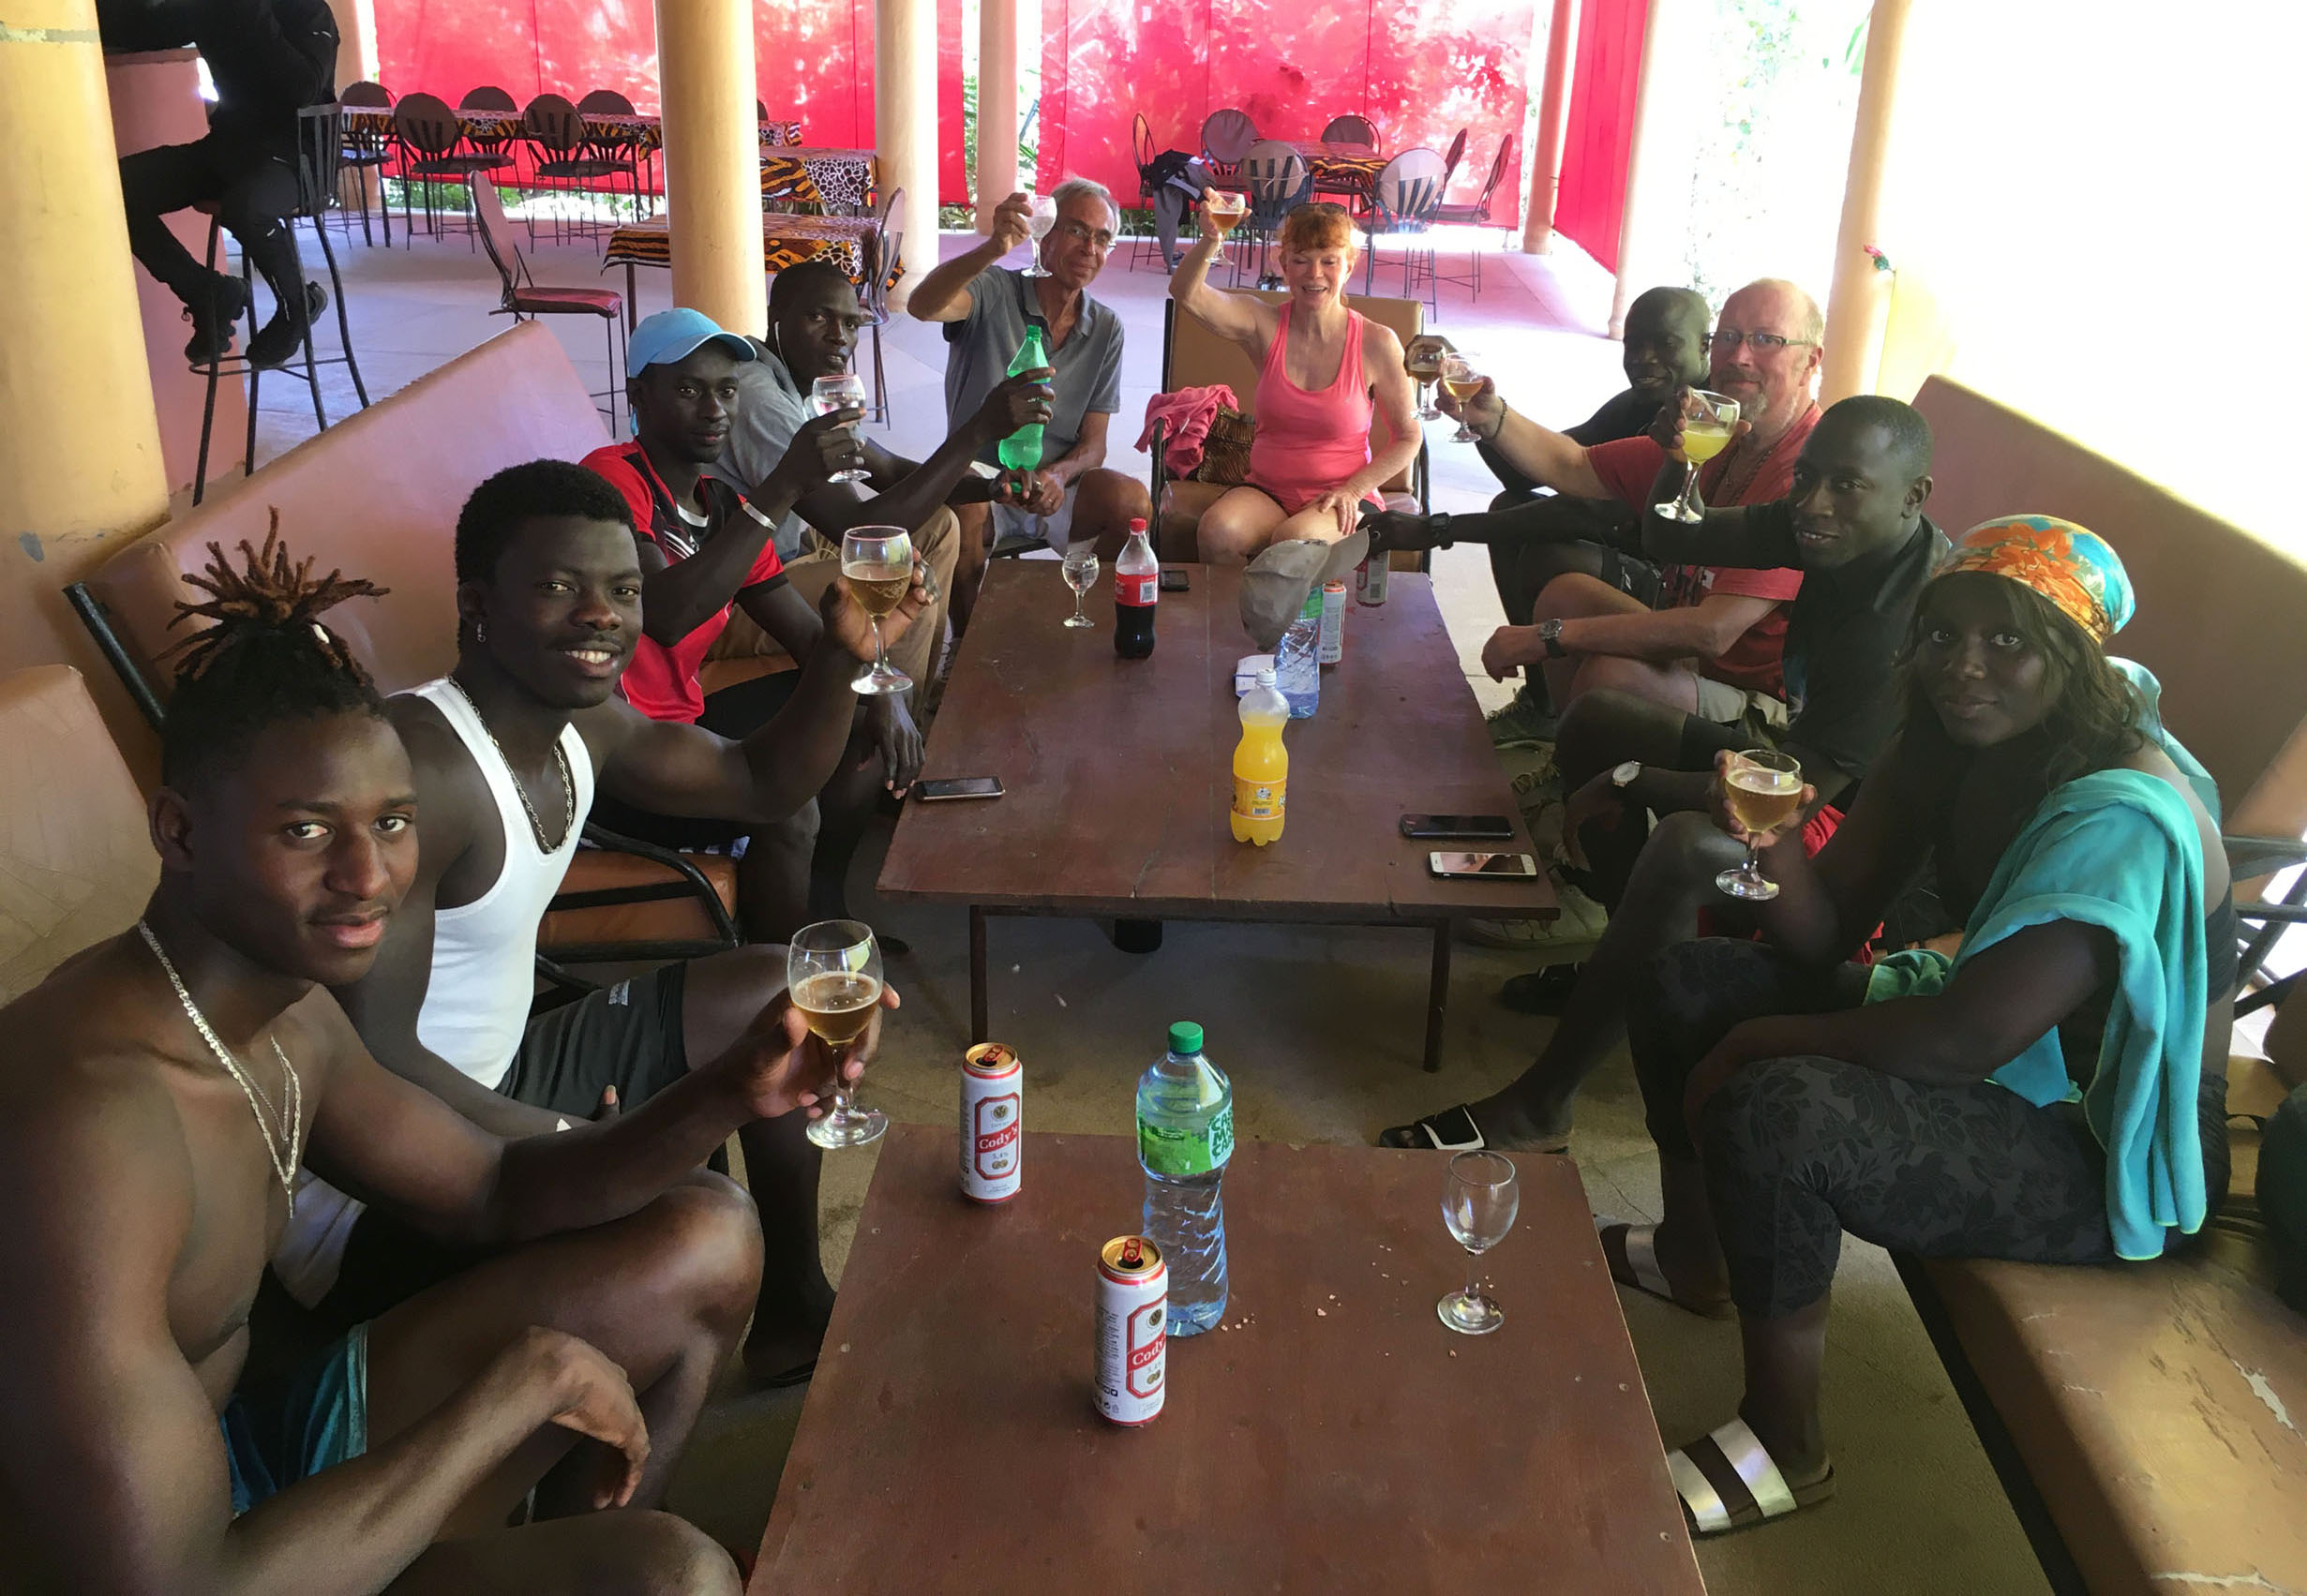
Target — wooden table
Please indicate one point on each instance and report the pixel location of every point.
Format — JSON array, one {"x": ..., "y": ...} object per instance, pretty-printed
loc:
[
  {"x": 1119, "y": 776},
  {"x": 1330, "y": 1437}
]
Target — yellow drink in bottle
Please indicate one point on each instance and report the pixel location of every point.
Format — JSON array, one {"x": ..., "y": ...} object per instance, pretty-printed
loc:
[
  {"x": 1261, "y": 764},
  {"x": 1703, "y": 441}
]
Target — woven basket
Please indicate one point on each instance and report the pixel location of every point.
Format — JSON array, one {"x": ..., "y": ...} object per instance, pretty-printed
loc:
[{"x": 1225, "y": 452}]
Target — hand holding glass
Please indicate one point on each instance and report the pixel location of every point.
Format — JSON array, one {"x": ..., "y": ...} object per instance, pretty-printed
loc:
[
  {"x": 833, "y": 971},
  {"x": 1081, "y": 574},
  {"x": 1459, "y": 377},
  {"x": 1226, "y": 207},
  {"x": 1762, "y": 788},
  {"x": 843, "y": 390},
  {"x": 877, "y": 566},
  {"x": 1043, "y": 216},
  {"x": 1706, "y": 422},
  {"x": 1480, "y": 1197}
]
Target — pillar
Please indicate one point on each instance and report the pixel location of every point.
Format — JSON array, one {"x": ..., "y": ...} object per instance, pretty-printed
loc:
[
  {"x": 1858, "y": 304},
  {"x": 712, "y": 159},
  {"x": 905, "y": 121},
  {"x": 81, "y": 468},
  {"x": 1638, "y": 221},
  {"x": 1553, "y": 122},
  {"x": 356, "y": 48},
  {"x": 997, "y": 173}
]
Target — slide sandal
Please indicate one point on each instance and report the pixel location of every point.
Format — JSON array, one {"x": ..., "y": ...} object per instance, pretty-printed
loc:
[{"x": 1727, "y": 1482}]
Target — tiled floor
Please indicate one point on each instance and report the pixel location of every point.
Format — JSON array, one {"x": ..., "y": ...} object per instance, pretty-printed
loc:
[{"x": 1320, "y": 1027}]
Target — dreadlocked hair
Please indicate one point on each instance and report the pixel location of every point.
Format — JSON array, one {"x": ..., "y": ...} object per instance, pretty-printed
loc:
[{"x": 264, "y": 657}]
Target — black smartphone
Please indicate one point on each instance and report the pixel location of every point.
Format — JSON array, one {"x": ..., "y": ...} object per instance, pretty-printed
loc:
[
  {"x": 1456, "y": 867},
  {"x": 1470, "y": 828},
  {"x": 1174, "y": 579},
  {"x": 957, "y": 787}
]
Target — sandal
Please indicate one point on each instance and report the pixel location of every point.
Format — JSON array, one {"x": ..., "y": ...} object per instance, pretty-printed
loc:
[
  {"x": 1727, "y": 1482},
  {"x": 1543, "y": 992},
  {"x": 1452, "y": 1130},
  {"x": 1632, "y": 1253}
]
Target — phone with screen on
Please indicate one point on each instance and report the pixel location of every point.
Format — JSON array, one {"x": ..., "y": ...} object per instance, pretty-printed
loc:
[{"x": 1470, "y": 866}]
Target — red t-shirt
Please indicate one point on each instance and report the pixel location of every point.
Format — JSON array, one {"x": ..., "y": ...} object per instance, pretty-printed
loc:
[
  {"x": 659, "y": 681},
  {"x": 1627, "y": 467}
]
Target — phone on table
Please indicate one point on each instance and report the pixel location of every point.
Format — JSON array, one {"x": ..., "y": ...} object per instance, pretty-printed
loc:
[
  {"x": 938, "y": 787},
  {"x": 1469, "y": 866},
  {"x": 1174, "y": 579},
  {"x": 1470, "y": 828}
]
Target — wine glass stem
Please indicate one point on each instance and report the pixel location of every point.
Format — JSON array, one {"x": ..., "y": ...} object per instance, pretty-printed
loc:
[
  {"x": 881, "y": 650},
  {"x": 1754, "y": 861},
  {"x": 1473, "y": 1274}
]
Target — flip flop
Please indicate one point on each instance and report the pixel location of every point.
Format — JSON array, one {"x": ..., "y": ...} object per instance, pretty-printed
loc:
[
  {"x": 1543, "y": 992},
  {"x": 1452, "y": 1130},
  {"x": 1632, "y": 1253},
  {"x": 1726, "y": 1480}
]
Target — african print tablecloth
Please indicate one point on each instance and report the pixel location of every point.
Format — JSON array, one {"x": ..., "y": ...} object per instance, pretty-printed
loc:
[
  {"x": 1342, "y": 165},
  {"x": 839, "y": 181},
  {"x": 785, "y": 241},
  {"x": 644, "y": 133}
]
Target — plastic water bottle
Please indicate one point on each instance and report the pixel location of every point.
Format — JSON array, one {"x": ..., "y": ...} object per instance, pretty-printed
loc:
[
  {"x": 1185, "y": 1136},
  {"x": 1021, "y": 450},
  {"x": 1297, "y": 663}
]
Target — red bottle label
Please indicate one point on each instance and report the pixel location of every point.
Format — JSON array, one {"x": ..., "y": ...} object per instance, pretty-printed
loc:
[{"x": 1137, "y": 592}]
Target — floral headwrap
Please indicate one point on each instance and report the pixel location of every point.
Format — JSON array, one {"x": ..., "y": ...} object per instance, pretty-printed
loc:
[{"x": 2073, "y": 568}]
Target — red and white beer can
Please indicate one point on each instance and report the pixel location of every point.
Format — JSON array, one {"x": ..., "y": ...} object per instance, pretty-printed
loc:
[
  {"x": 1133, "y": 1299},
  {"x": 1331, "y": 639},
  {"x": 1371, "y": 577},
  {"x": 992, "y": 1122}
]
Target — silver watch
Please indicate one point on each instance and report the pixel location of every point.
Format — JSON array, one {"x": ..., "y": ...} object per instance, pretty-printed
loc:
[{"x": 1626, "y": 775}]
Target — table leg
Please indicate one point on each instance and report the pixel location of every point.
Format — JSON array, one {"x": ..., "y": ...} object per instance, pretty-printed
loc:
[
  {"x": 977, "y": 1024},
  {"x": 1438, "y": 997},
  {"x": 632, "y": 318}
]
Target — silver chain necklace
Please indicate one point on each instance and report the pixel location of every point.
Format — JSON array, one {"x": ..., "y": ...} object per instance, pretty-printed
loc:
[
  {"x": 292, "y": 1127},
  {"x": 561, "y": 759}
]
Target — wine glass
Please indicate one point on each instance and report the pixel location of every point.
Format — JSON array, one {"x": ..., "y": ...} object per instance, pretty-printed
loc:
[
  {"x": 833, "y": 971},
  {"x": 1459, "y": 377},
  {"x": 1038, "y": 223},
  {"x": 877, "y": 566},
  {"x": 1706, "y": 422},
  {"x": 1762, "y": 788},
  {"x": 843, "y": 390},
  {"x": 1425, "y": 369},
  {"x": 1480, "y": 1197},
  {"x": 1081, "y": 574}
]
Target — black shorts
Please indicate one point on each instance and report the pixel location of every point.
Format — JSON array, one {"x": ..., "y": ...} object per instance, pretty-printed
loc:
[
  {"x": 627, "y": 1035},
  {"x": 733, "y": 712},
  {"x": 1633, "y": 575}
]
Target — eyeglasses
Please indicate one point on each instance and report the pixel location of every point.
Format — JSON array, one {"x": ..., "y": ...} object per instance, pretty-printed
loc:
[
  {"x": 1081, "y": 234},
  {"x": 1761, "y": 343}
]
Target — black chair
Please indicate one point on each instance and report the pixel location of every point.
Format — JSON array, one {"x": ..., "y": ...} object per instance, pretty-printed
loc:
[
  {"x": 883, "y": 251},
  {"x": 1402, "y": 205},
  {"x": 320, "y": 143},
  {"x": 623, "y": 145},
  {"x": 1226, "y": 137},
  {"x": 1273, "y": 177},
  {"x": 366, "y": 150},
  {"x": 1143, "y": 152},
  {"x": 1351, "y": 128},
  {"x": 489, "y": 99},
  {"x": 1477, "y": 214},
  {"x": 433, "y": 152},
  {"x": 1456, "y": 152},
  {"x": 525, "y": 299},
  {"x": 564, "y": 160}
]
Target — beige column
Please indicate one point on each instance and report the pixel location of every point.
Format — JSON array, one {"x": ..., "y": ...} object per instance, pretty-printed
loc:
[
  {"x": 81, "y": 471},
  {"x": 1637, "y": 223},
  {"x": 997, "y": 173},
  {"x": 1553, "y": 123},
  {"x": 712, "y": 159},
  {"x": 905, "y": 122},
  {"x": 1858, "y": 304},
  {"x": 356, "y": 34}
]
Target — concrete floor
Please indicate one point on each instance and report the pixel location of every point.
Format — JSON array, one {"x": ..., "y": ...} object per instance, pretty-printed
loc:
[{"x": 1320, "y": 1029}]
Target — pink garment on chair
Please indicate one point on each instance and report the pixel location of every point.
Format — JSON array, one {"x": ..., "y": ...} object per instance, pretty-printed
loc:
[
  {"x": 1308, "y": 444},
  {"x": 1186, "y": 414}
]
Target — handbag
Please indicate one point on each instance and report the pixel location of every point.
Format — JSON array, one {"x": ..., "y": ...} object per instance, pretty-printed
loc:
[{"x": 1225, "y": 450}]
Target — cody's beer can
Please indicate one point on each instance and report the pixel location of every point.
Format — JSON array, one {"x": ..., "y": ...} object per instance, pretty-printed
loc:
[
  {"x": 1333, "y": 635},
  {"x": 992, "y": 1122},
  {"x": 1370, "y": 578},
  {"x": 1134, "y": 1297}
]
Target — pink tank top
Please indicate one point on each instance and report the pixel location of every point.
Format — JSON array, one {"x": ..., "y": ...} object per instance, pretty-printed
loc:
[{"x": 1308, "y": 444}]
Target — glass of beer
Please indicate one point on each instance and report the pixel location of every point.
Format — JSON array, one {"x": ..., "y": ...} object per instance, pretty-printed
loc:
[
  {"x": 1038, "y": 220},
  {"x": 877, "y": 566},
  {"x": 1480, "y": 1196},
  {"x": 1081, "y": 574},
  {"x": 1762, "y": 788},
  {"x": 833, "y": 971},
  {"x": 843, "y": 390},
  {"x": 1425, "y": 369},
  {"x": 1706, "y": 422},
  {"x": 1463, "y": 382},
  {"x": 1226, "y": 207}
]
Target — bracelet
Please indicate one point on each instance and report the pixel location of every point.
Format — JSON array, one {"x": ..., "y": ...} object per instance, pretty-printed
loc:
[
  {"x": 755, "y": 510},
  {"x": 1501, "y": 426}
]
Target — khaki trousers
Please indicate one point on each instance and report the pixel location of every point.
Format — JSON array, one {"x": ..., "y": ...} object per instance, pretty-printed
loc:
[{"x": 812, "y": 571}]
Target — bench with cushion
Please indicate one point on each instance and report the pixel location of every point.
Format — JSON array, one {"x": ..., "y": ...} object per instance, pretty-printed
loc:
[{"x": 2150, "y": 1419}]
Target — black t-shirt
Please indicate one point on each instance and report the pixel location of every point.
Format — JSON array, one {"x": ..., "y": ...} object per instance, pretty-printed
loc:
[
  {"x": 1624, "y": 415},
  {"x": 1843, "y": 633}
]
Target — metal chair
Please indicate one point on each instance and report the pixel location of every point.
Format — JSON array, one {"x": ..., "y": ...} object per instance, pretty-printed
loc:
[
  {"x": 1401, "y": 204},
  {"x": 564, "y": 160},
  {"x": 365, "y": 151},
  {"x": 432, "y": 153},
  {"x": 1351, "y": 129},
  {"x": 1478, "y": 214},
  {"x": 1456, "y": 152},
  {"x": 489, "y": 97},
  {"x": 1274, "y": 178},
  {"x": 1142, "y": 150},
  {"x": 1226, "y": 137},
  {"x": 319, "y": 151},
  {"x": 525, "y": 299},
  {"x": 882, "y": 252},
  {"x": 620, "y": 145}
]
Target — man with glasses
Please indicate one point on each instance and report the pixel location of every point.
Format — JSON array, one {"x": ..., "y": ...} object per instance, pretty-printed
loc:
[{"x": 986, "y": 311}]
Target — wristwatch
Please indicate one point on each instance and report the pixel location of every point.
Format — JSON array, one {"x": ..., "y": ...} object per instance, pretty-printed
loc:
[
  {"x": 1626, "y": 775},
  {"x": 1550, "y": 635}
]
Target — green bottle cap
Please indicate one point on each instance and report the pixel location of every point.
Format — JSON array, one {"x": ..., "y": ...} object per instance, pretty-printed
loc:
[{"x": 1185, "y": 1038}]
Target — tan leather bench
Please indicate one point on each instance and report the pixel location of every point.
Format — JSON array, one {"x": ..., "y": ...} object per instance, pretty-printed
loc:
[
  {"x": 378, "y": 495},
  {"x": 2150, "y": 1419}
]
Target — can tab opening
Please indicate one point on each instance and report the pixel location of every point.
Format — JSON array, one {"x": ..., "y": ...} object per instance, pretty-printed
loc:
[{"x": 1133, "y": 1254}]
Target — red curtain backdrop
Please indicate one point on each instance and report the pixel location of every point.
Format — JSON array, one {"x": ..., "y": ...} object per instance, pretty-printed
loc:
[
  {"x": 1593, "y": 199},
  {"x": 1420, "y": 73}
]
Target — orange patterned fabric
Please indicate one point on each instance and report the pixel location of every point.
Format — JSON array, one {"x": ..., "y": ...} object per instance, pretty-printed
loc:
[{"x": 2069, "y": 565}]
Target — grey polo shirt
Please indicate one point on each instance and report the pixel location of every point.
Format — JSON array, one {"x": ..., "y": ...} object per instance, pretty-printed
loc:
[
  {"x": 770, "y": 409},
  {"x": 1088, "y": 367}
]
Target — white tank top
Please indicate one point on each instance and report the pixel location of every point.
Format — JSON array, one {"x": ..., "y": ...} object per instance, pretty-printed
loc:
[{"x": 484, "y": 954}]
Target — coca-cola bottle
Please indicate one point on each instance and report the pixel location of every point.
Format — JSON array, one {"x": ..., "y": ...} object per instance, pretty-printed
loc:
[{"x": 1137, "y": 586}]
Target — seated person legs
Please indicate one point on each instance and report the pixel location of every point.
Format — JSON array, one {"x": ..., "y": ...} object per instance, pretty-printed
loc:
[
  {"x": 253, "y": 191},
  {"x": 1096, "y": 505},
  {"x": 1673, "y": 684}
]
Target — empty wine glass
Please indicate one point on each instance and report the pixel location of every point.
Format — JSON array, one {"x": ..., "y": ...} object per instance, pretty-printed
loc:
[
  {"x": 1463, "y": 382},
  {"x": 1081, "y": 574},
  {"x": 833, "y": 971},
  {"x": 1706, "y": 422},
  {"x": 843, "y": 390},
  {"x": 877, "y": 566},
  {"x": 1480, "y": 1197},
  {"x": 1038, "y": 223},
  {"x": 1762, "y": 788}
]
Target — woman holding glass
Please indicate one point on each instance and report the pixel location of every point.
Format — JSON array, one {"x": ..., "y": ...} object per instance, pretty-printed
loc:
[
  {"x": 1324, "y": 370},
  {"x": 2052, "y": 1093}
]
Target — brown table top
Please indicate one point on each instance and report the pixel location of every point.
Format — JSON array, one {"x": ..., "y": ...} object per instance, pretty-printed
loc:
[
  {"x": 1118, "y": 773},
  {"x": 1336, "y": 1438}
]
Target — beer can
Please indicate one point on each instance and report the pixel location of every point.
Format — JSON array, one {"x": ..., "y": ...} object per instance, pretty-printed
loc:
[
  {"x": 1133, "y": 1334},
  {"x": 1369, "y": 578},
  {"x": 992, "y": 1122},
  {"x": 1333, "y": 635}
]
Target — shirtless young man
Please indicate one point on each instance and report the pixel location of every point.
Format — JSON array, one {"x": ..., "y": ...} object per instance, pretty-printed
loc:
[
  {"x": 159, "y": 1093},
  {"x": 506, "y": 754}
]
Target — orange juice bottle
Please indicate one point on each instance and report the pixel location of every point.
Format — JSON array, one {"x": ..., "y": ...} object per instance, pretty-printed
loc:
[{"x": 1261, "y": 764}]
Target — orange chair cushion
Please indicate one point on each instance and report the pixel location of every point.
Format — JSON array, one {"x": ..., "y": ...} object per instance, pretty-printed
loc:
[{"x": 665, "y": 919}]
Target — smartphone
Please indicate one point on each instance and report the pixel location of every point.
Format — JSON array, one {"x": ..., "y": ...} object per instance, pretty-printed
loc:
[
  {"x": 1473, "y": 827},
  {"x": 957, "y": 787},
  {"x": 1174, "y": 579},
  {"x": 1454, "y": 867}
]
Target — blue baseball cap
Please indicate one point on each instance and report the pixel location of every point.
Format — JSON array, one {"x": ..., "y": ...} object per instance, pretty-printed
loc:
[{"x": 674, "y": 334}]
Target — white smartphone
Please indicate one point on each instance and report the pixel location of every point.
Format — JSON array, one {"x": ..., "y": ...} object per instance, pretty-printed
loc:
[
  {"x": 1458, "y": 867},
  {"x": 938, "y": 787}
]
